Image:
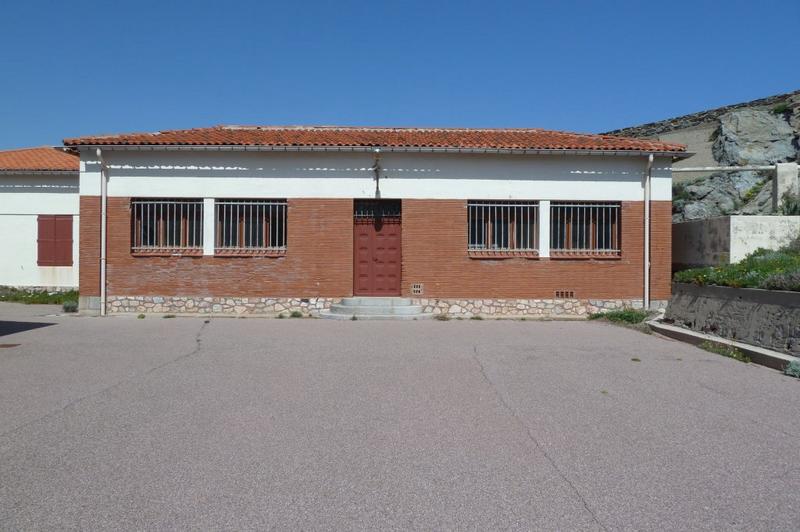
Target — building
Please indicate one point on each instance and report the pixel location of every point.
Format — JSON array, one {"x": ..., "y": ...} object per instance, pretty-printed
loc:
[
  {"x": 39, "y": 218},
  {"x": 262, "y": 219}
]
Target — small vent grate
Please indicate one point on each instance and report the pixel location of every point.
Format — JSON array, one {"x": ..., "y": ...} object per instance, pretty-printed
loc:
[
  {"x": 565, "y": 294},
  {"x": 416, "y": 289}
]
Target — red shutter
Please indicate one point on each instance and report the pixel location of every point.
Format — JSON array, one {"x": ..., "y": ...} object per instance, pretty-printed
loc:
[
  {"x": 47, "y": 240},
  {"x": 55, "y": 240},
  {"x": 63, "y": 244}
]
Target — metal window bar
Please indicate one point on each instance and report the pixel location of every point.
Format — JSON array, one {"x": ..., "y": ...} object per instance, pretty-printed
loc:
[
  {"x": 585, "y": 228},
  {"x": 503, "y": 226},
  {"x": 251, "y": 225},
  {"x": 166, "y": 224}
]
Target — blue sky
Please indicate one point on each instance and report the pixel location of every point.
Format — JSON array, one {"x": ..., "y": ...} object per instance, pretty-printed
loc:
[{"x": 79, "y": 68}]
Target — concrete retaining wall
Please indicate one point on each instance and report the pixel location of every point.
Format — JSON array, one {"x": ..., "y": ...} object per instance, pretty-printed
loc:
[
  {"x": 728, "y": 239},
  {"x": 765, "y": 318}
]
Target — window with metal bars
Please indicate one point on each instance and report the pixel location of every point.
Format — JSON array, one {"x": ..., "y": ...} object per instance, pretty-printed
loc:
[
  {"x": 503, "y": 226},
  {"x": 585, "y": 228},
  {"x": 167, "y": 226},
  {"x": 250, "y": 226}
]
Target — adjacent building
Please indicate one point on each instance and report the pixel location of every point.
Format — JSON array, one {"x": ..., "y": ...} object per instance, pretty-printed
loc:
[
  {"x": 261, "y": 219},
  {"x": 39, "y": 218}
]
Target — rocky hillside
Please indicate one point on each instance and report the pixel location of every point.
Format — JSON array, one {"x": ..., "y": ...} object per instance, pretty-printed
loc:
[
  {"x": 743, "y": 137},
  {"x": 760, "y": 132}
]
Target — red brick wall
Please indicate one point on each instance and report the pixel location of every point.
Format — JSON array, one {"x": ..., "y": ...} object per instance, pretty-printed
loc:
[
  {"x": 319, "y": 260},
  {"x": 435, "y": 254}
]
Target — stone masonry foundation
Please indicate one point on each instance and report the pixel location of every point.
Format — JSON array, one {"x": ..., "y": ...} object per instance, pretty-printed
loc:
[{"x": 488, "y": 308}]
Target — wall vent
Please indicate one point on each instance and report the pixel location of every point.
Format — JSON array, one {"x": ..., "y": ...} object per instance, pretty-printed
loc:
[
  {"x": 565, "y": 294},
  {"x": 416, "y": 289}
]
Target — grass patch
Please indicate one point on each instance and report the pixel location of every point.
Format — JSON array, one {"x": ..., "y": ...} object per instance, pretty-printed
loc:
[
  {"x": 724, "y": 350},
  {"x": 442, "y": 317},
  {"x": 36, "y": 297},
  {"x": 296, "y": 314},
  {"x": 167, "y": 316},
  {"x": 476, "y": 317},
  {"x": 628, "y": 315},
  {"x": 792, "y": 369},
  {"x": 771, "y": 270},
  {"x": 140, "y": 317}
]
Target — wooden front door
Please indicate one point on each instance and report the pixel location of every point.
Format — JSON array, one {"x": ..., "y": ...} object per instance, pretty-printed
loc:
[{"x": 376, "y": 248}]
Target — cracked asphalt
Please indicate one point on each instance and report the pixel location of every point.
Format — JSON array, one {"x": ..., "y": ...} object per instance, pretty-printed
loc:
[{"x": 311, "y": 424}]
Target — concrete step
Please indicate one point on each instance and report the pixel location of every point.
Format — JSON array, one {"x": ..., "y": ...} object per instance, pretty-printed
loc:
[
  {"x": 349, "y": 310},
  {"x": 371, "y": 301},
  {"x": 328, "y": 315}
]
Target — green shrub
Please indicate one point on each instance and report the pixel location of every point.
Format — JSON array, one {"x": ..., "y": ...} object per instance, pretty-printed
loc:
[
  {"x": 724, "y": 350},
  {"x": 296, "y": 314},
  {"x": 281, "y": 316},
  {"x": 70, "y": 306},
  {"x": 793, "y": 369},
  {"x": 36, "y": 297},
  {"x": 627, "y": 315},
  {"x": 790, "y": 204},
  {"x": 781, "y": 108}
]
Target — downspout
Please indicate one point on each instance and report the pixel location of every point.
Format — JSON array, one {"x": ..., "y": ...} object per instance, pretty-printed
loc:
[
  {"x": 647, "y": 178},
  {"x": 103, "y": 215}
]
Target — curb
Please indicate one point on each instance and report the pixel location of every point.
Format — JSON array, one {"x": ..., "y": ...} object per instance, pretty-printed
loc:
[{"x": 758, "y": 355}]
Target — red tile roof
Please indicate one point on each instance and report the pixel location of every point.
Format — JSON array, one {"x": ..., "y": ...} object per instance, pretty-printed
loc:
[
  {"x": 42, "y": 159},
  {"x": 366, "y": 137}
]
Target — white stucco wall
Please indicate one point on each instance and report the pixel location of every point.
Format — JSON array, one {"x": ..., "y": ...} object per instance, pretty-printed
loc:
[
  {"x": 22, "y": 199},
  {"x": 348, "y": 175},
  {"x": 748, "y": 233}
]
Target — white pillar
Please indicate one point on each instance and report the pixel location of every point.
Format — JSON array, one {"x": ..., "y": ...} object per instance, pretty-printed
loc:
[
  {"x": 786, "y": 180},
  {"x": 208, "y": 226},
  {"x": 544, "y": 228}
]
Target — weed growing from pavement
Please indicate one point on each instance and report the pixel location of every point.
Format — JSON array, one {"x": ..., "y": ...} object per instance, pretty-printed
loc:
[
  {"x": 636, "y": 359},
  {"x": 140, "y": 317},
  {"x": 477, "y": 317},
  {"x": 281, "y": 316},
  {"x": 442, "y": 317},
  {"x": 354, "y": 318},
  {"x": 793, "y": 369},
  {"x": 604, "y": 392},
  {"x": 296, "y": 314},
  {"x": 724, "y": 350},
  {"x": 166, "y": 316}
]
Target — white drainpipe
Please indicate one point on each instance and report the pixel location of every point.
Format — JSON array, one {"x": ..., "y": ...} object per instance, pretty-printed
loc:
[
  {"x": 647, "y": 177},
  {"x": 103, "y": 214}
]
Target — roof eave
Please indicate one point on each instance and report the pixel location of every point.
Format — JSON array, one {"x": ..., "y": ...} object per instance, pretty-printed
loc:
[{"x": 383, "y": 149}]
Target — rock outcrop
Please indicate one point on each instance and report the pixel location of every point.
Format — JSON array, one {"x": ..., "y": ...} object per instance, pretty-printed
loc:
[{"x": 744, "y": 137}]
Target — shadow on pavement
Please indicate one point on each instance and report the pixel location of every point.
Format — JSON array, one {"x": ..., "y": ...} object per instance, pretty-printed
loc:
[{"x": 11, "y": 327}]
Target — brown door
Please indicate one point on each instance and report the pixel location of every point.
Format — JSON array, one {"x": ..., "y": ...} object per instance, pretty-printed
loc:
[{"x": 376, "y": 248}]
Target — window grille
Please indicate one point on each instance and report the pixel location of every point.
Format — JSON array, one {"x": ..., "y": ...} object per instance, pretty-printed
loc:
[
  {"x": 585, "y": 228},
  {"x": 250, "y": 226},
  {"x": 167, "y": 225},
  {"x": 503, "y": 226}
]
